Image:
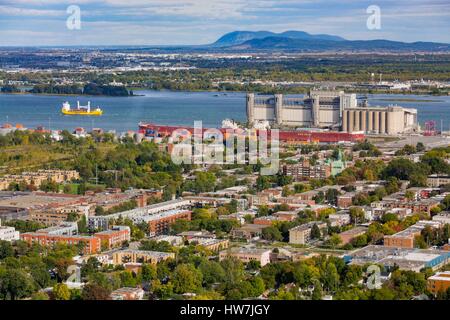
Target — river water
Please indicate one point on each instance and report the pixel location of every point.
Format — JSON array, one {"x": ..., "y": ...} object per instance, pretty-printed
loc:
[{"x": 174, "y": 108}]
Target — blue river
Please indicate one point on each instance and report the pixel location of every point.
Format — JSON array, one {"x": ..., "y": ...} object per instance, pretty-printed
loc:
[{"x": 174, "y": 108}]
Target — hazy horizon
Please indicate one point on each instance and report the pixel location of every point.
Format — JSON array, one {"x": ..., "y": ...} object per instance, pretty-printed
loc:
[{"x": 199, "y": 22}]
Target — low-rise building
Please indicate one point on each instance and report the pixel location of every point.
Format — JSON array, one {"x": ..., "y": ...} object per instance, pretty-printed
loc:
[
  {"x": 443, "y": 217},
  {"x": 172, "y": 240},
  {"x": 302, "y": 234},
  {"x": 246, "y": 255},
  {"x": 349, "y": 235},
  {"x": 346, "y": 200},
  {"x": 403, "y": 258},
  {"x": 248, "y": 231},
  {"x": 8, "y": 233},
  {"x": 339, "y": 219},
  {"x": 438, "y": 180},
  {"x": 63, "y": 229},
  {"x": 141, "y": 256},
  {"x": 210, "y": 244}
]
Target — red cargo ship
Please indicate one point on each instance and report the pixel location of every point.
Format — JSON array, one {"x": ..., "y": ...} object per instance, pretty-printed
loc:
[{"x": 153, "y": 130}]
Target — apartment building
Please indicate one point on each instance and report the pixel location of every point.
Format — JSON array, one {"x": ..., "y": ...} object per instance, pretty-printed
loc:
[
  {"x": 305, "y": 171},
  {"x": 302, "y": 234},
  {"x": 405, "y": 238},
  {"x": 38, "y": 177},
  {"x": 114, "y": 237},
  {"x": 160, "y": 223},
  {"x": 63, "y": 229},
  {"x": 8, "y": 233},
  {"x": 91, "y": 245},
  {"x": 440, "y": 282}
]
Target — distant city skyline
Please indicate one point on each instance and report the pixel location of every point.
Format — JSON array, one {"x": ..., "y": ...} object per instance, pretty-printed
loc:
[{"x": 195, "y": 22}]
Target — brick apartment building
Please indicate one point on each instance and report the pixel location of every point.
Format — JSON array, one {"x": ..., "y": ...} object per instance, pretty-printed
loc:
[
  {"x": 114, "y": 237},
  {"x": 91, "y": 244},
  {"x": 440, "y": 282},
  {"x": 304, "y": 171},
  {"x": 405, "y": 238},
  {"x": 160, "y": 223}
]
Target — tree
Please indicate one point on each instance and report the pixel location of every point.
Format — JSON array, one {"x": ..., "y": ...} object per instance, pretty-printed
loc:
[
  {"x": 163, "y": 291},
  {"x": 262, "y": 183},
  {"x": 15, "y": 284},
  {"x": 409, "y": 195},
  {"x": 234, "y": 272},
  {"x": 40, "y": 295},
  {"x": 330, "y": 277},
  {"x": 93, "y": 291},
  {"x": 446, "y": 202},
  {"x": 335, "y": 241},
  {"x": 315, "y": 232},
  {"x": 61, "y": 292},
  {"x": 212, "y": 272},
  {"x": 40, "y": 274},
  {"x": 272, "y": 234},
  {"x": 420, "y": 147},
  {"x": 90, "y": 267},
  {"x": 331, "y": 196},
  {"x": 148, "y": 272},
  {"x": 263, "y": 210},
  {"x": 400, "y": 168},
  {"x": 317, "y": 292},
  {"x": 186, "y": 278},
  {"x": 6, "y": 249},
  {"x": 357, "y": 215}
]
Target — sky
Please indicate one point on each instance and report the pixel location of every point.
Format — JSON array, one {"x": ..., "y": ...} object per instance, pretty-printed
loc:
[{"x": 172, "y": 22}]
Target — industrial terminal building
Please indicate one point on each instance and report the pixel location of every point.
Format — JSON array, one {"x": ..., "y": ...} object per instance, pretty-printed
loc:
[{"x": 330, "y": 109}]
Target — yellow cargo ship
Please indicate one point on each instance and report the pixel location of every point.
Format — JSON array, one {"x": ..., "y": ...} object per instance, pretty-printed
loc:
[{"x": 80, "y": 110}]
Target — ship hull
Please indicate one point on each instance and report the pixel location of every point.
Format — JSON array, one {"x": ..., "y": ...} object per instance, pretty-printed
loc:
[{"x": 81, "y": 113}]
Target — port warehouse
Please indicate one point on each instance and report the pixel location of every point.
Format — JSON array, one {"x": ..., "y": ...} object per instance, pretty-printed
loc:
[
  {"x": 335, "y": 110},
  {"x": 303, "y": 136}
]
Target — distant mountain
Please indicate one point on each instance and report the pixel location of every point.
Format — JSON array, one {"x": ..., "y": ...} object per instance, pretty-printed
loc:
[
  {"x": 303, "y": 41},
  {"x": 269, "y": 43},
  {"x": 239, "y": 37}
]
